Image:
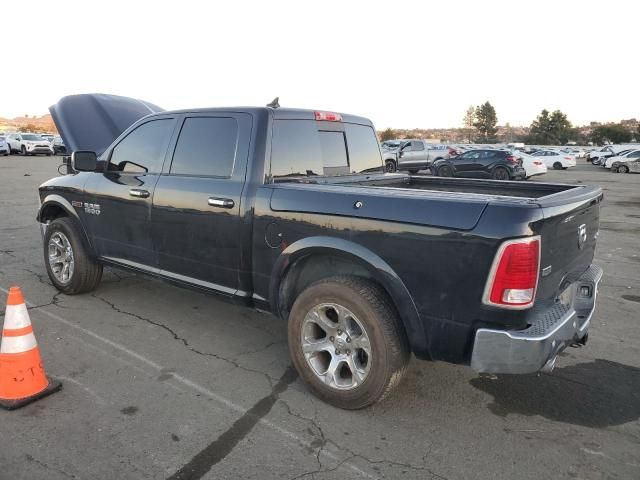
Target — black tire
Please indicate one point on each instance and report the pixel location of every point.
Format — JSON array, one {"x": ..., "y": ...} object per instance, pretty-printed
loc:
[
  {"x": 557, "y": 166},
  {"x": 23, "y": 151},
  {"x": 86, "y": 273},
  {"x": 387, "y": 339},
  {"x": 390, "y": 166},
  {"x": 413, "y": 170},
  {"x": 500, "y": 173},
  {"x": 444, "y": 171},
  {"x": 623, "y": 169},
  {"x": 49, "y": 154}
]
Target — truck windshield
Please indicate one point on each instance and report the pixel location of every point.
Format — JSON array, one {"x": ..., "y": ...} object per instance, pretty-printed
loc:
[{"x": 305, "y": 148}]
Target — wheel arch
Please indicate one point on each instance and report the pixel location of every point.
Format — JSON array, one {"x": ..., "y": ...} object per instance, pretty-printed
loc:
[
  {"x": 313, "y": 258},
  {"x": 55, "y": 206}
]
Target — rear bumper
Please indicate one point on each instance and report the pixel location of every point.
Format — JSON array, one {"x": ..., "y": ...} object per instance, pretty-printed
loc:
[{"x": 552, "y": 329}]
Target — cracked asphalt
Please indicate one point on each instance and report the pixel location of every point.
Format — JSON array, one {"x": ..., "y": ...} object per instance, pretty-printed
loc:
[{"x": 166, "y": 383}]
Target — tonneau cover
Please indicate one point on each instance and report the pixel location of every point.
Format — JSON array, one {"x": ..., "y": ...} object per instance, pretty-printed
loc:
[{"x": 93, "y": 121}]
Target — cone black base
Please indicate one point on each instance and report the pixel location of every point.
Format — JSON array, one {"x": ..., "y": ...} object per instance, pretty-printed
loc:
[{"x": 54, "y": 386}]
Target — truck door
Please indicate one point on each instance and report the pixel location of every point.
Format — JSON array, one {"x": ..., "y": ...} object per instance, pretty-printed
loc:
[
  {"x": 119, "y": 206},
  {"x": 195, "y": 218}
]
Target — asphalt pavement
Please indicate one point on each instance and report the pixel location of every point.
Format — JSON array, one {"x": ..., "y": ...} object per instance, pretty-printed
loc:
[{"x": 166, "y": 383}]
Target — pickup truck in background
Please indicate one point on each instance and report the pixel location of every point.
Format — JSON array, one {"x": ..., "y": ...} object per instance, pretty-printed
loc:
[
  {"x": 290, "y": 211},
  {"x": 413, "y": 155}
]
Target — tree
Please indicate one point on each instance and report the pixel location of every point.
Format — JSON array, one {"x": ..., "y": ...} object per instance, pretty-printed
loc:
[
  {"x": 550, "y": 129},
  {"x": 468, "y": 122},
  {"x": 29, "y": 127},
  {"x": 387, "y": 134},
  {"x": 615, "y": 133},
  {"x": 485, "y": 123}
]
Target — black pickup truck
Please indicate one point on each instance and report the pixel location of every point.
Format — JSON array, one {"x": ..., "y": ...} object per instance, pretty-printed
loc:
[{"x": 290, "y": 211}]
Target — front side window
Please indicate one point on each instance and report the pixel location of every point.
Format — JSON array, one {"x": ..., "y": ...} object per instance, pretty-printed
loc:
[
  {"x": 417, "y": 146},
  {"x": 143, "y": 150},
  {"x": 206, "y": 147},
  {"x": 635, "y": 154}
]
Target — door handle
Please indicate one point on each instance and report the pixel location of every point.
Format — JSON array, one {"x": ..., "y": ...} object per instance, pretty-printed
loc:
[
  {"x": 137, "y": 192},
  {"x": 221, "y": 202}
]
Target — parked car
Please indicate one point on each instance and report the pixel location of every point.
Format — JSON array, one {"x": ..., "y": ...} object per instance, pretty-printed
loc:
[
  {"x": 29, "y": 144},
  {"x": 47, "y": 136},
  {"x": 623, "y": 157},
  {"x": 59, "y": 147},
  {"x": 554, "y": 159},
  {"x": 632, "y": 165},
  {"x": 596, "y": 157},
  {"x": 496, "y": 164},
  {"x": 414, "y": 155},
  {"x": 289, "y": 211},
  {"x": 5, "y": 149},
  {"x": 533, "y": 166}
]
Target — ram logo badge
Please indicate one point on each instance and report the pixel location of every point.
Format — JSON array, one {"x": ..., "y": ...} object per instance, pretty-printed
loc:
[
  {"x": 582, "y": 235},
  {"x": 90, "y": 208}
]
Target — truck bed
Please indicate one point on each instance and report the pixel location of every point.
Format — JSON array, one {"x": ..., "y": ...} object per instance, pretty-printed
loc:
[{"x": 475, "y": 186}]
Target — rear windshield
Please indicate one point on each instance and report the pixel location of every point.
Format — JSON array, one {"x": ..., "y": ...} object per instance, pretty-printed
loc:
[{"x": 303, "y": 149}]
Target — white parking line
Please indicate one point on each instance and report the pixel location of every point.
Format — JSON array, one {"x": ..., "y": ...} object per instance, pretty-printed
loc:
[{"x": 198, "y": 388}]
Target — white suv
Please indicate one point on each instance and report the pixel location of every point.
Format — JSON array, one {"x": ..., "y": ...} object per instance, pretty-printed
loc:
[{"x": 29, "y": 144}]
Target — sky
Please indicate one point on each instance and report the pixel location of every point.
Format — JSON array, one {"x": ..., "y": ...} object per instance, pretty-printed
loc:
[{"x": 403, "y": 64}]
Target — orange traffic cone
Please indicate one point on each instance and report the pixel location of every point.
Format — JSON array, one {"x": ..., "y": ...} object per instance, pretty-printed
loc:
[{"x": 22, "y": 377}]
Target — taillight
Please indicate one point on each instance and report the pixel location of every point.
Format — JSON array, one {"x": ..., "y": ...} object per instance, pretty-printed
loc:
[
  {"x": 568, "y": 158},
  {"x": 537, "y": 163},
  {"x": 512, "y": 159},
  {"x": 513, "y": 278},
  {"x": 328, "y": 116}
]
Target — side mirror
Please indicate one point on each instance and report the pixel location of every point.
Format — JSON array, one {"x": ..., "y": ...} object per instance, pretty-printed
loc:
[{"x": 84, "y": 161}]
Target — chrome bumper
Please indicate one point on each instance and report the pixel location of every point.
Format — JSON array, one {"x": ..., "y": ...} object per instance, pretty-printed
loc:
[{"x": 552, "y": 329}]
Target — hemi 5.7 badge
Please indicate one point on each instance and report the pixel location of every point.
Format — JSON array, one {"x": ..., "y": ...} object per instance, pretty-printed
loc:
[{"x": 90, "y": 208}]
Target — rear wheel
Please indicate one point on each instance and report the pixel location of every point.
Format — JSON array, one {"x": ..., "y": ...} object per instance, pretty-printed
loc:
[
  {"x": 347, "y": 342},
  {"x": 390, "y": 166},
  {"x": 557, "y": 166},
  {"x": 500, "y": 173},
  {"x": 69, "y": 266},
  {"x": 623, "y": 169},
  {"x": 445, "y": 171}
]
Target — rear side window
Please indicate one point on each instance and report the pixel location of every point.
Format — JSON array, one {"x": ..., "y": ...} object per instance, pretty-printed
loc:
[
  {"x": 206, "y": 147},
  {"x": 301, "y": 148},
  {"x": 143, "y": 150}
]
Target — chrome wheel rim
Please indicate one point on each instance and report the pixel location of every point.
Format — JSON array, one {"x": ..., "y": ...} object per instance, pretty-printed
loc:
[
  {"x": 336, "y": 346},
  {"x": 61, "y": 257}
]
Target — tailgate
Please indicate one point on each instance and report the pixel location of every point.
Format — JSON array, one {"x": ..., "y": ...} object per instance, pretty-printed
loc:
[{"x": 569, "y": 233}]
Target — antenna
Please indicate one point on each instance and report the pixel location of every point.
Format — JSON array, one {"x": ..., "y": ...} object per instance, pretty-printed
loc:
[{"x": 274, "y": 103}]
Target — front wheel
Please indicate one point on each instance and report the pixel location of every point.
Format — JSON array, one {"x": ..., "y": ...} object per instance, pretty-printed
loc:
[
  {"x": 445, "y": 171},
  {"x": 347, "y": 342},
  {"x": 69, "y": 266},
  {"x": 23, "y": 151},
  {"x": 557, "y": 166},
  {"x": 623, "y": 169},
  {"x": 390, "y": 166}
]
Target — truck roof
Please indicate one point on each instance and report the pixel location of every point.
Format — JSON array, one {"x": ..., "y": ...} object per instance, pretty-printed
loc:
[
  {"x": 279, "y": 113},
  {"x": 92, "y": 121}
]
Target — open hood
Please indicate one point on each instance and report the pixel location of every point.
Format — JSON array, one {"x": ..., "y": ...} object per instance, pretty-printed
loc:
[{"x": 93, "y": 121}]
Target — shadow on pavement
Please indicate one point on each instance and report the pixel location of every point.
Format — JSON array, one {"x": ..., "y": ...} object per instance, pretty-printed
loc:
[{"x": 597, "y": 394}]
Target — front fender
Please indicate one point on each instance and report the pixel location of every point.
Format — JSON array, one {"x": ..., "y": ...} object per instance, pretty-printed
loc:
[
  {"x": 54, "y": 201},
  {"x": 380, "y": 271},
  {"x": 57, "y": 201}
]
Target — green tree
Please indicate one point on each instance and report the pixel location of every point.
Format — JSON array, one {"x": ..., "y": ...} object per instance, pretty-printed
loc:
[
  {"x": 468, "y": 122},
  {"x": 387, "y": 134},
  {"x": 550, "y": 129},
  {"x": 485, "y": 123},
  {"x": 615, "y": 133}
]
